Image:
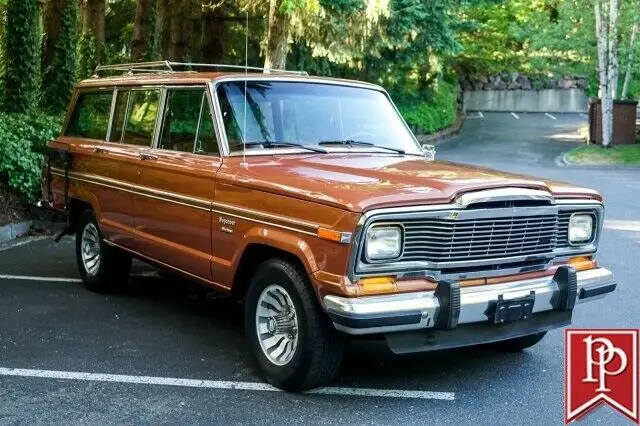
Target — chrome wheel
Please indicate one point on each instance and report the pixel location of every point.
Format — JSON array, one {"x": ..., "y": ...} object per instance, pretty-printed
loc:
[
  {"x": 90, "y": 249},
  {"x": 277, "y": 325}
]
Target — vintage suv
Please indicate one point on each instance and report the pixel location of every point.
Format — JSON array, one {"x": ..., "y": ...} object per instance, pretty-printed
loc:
[{"x": 310, "y": 199}]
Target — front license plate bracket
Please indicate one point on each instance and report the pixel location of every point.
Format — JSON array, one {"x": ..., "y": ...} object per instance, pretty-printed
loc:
[{"x": 501, "y": 310}]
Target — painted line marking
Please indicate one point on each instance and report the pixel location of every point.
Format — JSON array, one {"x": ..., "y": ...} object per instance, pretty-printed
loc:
[
  {"x": 149, "y": 274},
  {"x": 21, "y": 242},
  {"x": 623, "y": 225},
  {"x": 220, "y": 384},
  {"x": 550, "y": 116},
  {"x": 515, "y": 116},
  {"x": 32, "y": 278},
  {"x": 480, "y": 114}
]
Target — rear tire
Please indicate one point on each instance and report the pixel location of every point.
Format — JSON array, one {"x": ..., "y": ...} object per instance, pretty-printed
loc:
[
  {"x": 290, "y": 338},
  {"x": 519, "y": 343},
  {"x": 103, "y": 268}
]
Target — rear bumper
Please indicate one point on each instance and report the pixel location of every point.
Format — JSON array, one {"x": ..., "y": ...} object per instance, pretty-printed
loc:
[{"x": 450, "y": 307}]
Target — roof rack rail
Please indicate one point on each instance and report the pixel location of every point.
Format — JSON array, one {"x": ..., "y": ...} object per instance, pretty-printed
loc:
[{"x": 170, "y": 67}]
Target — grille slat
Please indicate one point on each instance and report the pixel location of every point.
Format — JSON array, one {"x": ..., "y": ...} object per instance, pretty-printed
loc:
[{"x": 437, "y": 240}]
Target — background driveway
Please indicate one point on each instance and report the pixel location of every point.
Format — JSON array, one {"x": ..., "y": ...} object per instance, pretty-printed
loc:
[{"x": 117, "y": 358}]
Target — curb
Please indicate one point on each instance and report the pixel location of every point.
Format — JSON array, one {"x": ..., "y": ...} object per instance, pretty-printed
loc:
[
  {"x": 20, "y": 229},
  {"x": 14, "y": 230},
  {"x": 445, "y": 134},
  {"x": 563, "y": 160}
]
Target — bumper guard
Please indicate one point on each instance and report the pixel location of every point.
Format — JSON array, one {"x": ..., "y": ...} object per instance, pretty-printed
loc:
[{"x": 450, "y": 306}]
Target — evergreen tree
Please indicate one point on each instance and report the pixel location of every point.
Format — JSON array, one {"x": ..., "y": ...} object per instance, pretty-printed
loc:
[
  {"x": 59, "y": 58},
  {"x": 21, "y": 62}
]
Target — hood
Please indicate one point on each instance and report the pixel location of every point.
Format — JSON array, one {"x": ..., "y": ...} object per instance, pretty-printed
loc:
[{"x": 360, "y": 182}]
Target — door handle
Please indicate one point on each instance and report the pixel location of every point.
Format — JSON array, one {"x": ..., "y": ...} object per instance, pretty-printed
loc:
[{"x": 147, "y": 156}]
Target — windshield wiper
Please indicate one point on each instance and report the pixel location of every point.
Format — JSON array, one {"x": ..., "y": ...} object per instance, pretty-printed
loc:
[
  {"x": 275, "y": 144},
  {"x": 351, "y": 142}
]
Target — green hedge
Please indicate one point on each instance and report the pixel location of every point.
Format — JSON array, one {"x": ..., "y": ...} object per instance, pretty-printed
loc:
[
  {"x": 435, "y": 111},
  {"x": 22, "y": 140}
]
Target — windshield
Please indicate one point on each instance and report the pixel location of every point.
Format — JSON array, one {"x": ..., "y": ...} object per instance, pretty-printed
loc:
[{"x": 311, "y": 114}]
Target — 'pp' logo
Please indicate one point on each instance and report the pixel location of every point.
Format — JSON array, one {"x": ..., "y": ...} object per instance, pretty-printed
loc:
[{"x": 601, "y": 367}]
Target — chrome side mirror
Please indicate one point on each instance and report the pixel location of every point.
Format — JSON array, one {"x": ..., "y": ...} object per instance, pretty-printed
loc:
[{"x": 429, "y": 152}]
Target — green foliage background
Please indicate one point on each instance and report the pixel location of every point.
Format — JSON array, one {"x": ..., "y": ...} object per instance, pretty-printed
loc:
[
  {"x": 21, "y": 62},
  {"x": 22, "y": 140},
  {"x": 416, "y": 49},
  {"x": 59, "y": 78}
]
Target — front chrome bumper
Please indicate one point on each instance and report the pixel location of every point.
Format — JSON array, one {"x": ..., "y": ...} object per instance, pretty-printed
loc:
[{"x": 450, "y": 306}]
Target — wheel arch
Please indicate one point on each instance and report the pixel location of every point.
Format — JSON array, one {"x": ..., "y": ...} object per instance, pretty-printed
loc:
[{"x": 256, "y": 253}]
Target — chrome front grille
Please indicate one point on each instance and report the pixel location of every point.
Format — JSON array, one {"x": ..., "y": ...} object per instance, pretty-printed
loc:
[
  {"x": 448, "y": 240},
  {"x": 562, "y": 239}
]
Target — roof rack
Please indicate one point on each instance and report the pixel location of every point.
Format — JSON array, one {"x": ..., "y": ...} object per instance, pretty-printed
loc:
[{"x": 170, "y": 67}]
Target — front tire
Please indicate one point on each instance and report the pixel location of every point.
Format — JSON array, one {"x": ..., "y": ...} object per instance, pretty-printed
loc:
[
  {"x": 519, "y": 343},
  {"x": 103, "y": 268},
  {"x": 291, "y": 340}
]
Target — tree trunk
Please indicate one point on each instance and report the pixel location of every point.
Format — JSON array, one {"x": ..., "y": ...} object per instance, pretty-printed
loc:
[
  {"x": 603, "y": 68},
  {"x": 93, "y": 23},
  {"x": 613, "y": 49},
  {"x": 21, "y": 67},
  {"x": 58, "y": 71},
  {"x": 178, "y": 40},
  {"x": 195, "y": 32},
  {"x": 277, "y": 37},
  {"x": 630, "y": 59},
  {"x": 211, "y": 45},
  {"x": 177, "y": 28},
  {"x": 52, "y": 23},
  {"x": 163, "y": 28},
  {"x": 140, "y": 44}
]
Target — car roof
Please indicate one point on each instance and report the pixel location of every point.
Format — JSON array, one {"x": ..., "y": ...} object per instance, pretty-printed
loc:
[{"x": 197, "y": 78}]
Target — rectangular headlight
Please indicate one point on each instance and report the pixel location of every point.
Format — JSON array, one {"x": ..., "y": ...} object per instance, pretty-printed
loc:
[
  {"x": 383, "y": 242},
  {"x": 581, "y": 228}
]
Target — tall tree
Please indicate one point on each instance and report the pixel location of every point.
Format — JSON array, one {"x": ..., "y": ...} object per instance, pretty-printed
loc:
[
  {"x": 93, "y": 12},
  {"x": 59, "y": 53},
  {"x": 211, "y": 44},
  {"x": 632, "y": 53},
  {"x": 606, "y": 14},
  {"x": 142, "y": 30},
  {"x": 278, "y": 31},
  {"x": 175, "y": 26},
  {"x": 21, "y": 62}
]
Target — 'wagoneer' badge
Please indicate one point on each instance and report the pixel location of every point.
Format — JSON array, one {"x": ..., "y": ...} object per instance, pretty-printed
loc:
[{"x": 227, "y": 224}]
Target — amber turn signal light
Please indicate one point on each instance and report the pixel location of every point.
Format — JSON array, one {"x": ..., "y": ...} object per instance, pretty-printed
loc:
[
  {"x": 376, "y": 285},
  {"x": 337, "y": 236},
  {"x": 582, "y": 263}
]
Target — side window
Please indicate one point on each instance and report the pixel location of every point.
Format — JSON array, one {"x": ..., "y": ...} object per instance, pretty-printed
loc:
[
  {"x": 90, "y": 116},
  {"x": 118, "y": 116},
  {"x": 187, "y": 125},
  {"x": 141, "y": 117}
]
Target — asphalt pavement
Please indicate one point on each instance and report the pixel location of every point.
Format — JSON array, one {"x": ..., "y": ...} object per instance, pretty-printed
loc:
[{"x": 164, "y": 351}]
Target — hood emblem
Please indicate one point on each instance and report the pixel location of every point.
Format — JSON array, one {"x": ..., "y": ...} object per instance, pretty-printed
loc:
[{"x": 454, "y": 215}]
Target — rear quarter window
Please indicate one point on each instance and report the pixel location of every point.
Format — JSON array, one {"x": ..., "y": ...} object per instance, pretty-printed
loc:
[{"x": 90, "y": 116}]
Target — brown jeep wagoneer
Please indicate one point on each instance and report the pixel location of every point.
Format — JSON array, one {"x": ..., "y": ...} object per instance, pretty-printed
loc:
[{"x": 310, "y": 199}]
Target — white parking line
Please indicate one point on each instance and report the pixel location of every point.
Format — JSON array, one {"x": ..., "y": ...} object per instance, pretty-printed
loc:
[
  {"x": 549, "y": 115},
  {"x": 219, "y": 384},
  {"x": 623, "y": 225},
  {"x": 21, "y": 242},
  {"x": 480, "y": 114},
  {"x": 32, "y": 278},
  {"x": 515, "y": 116}
]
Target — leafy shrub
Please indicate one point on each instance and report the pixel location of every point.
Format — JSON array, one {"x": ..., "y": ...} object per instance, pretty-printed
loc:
[
  {"x": 22, "y": 141},
  {"x": 434, "y": 111}
]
